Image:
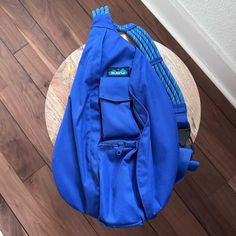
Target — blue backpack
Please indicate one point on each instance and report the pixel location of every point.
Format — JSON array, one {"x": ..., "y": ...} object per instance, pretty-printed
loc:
[{"x": 123, "y": 141}]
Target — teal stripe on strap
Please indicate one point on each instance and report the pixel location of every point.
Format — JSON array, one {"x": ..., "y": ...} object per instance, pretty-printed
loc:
[{"x": 101, "y": 11}]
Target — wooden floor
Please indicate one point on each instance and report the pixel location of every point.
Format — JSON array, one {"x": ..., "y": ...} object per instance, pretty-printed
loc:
[{"x": 35, "y": 37}]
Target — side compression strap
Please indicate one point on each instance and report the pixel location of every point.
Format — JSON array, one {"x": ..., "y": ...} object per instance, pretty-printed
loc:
[{"x": 145, "y": 43}]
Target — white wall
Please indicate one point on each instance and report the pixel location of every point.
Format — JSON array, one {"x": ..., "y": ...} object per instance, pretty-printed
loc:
[{"x": 206, "y": 29}]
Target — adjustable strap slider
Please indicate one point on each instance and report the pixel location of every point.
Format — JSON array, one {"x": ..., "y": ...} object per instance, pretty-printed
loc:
[{"x": 156, "y": 60}]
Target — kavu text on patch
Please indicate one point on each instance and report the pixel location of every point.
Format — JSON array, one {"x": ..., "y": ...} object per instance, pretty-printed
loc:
[{"x": 118, "y": 71}]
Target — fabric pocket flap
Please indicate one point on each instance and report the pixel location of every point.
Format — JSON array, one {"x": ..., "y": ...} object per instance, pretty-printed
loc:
[{"x": 114, "y": 89}]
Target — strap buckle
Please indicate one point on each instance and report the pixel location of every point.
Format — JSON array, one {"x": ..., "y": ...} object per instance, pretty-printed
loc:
[{"x": 185, "y": 139}]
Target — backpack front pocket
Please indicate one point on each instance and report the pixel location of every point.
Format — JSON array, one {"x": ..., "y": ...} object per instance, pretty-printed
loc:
[
  {"x": 117, "y": 119},
  {"x": 120, "y": 202}
]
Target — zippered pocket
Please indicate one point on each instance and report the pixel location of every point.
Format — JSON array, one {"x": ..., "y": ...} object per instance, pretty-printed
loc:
[{"x": 117, "y": 118}]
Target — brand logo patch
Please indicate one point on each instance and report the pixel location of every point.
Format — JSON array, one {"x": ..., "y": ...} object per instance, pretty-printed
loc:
[{"x": 118, "y": 71}]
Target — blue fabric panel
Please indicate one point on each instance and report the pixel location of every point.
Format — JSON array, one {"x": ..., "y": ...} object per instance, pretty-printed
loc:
[
  {"x": 116, "y": 153},
  {"x": 115, "y": 89},
  {"x": 120, "y": 203},
  {"x": 116, "y": 112},
  {"x": 158, "y": 147}
]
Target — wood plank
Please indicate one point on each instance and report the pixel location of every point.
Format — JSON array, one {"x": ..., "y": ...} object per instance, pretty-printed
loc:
[
  {"x": 204, "y": 209},
  {"x": 3, "y": 83},
  {"x": 33, "y": 34},
  {"x": 162, "y": 226},
  {"x": 146, "y": 229},
  {"x": 9, "y": 224},
  {"x": 7, "y": 72},
  {"x": 225, "y": 197},
  {"x": 217, "y": 137},
  {"x": 211, "y": 90},
  {"x": 158, "y": 28},
  {"x": 16, "y": 147},
  {"x": 43, "y": 189},
  {"x": 65, "y": 22},
  {"x": 201, "y": 198},
  {"x": 35, "y": 220},
  {"x": 207, "y": 176},
  {"x": 9, "y": 33},
  {"x": 27, "y": 104},
  {"x": 177, "y": 214},
  {"x": 35, "y": 67},
  {"x": 232, "y": 183}
]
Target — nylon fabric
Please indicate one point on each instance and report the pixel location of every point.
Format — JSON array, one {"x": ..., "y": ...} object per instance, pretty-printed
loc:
[{"x": 116, "y": 156}]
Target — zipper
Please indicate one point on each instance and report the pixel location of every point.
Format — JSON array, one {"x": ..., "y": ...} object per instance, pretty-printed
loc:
[
  {"x": 120, "y": 148},
  {"x": 120, "y": 145}
]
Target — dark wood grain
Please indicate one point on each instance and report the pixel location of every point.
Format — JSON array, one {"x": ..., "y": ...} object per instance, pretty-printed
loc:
[
  {"x": 198, "y": 191},
  {"x": 207, "y": 177},
  {"x": 33, "y": 33},
  {"x": 9, "y": 225},
  {"x": 146, "y": 229},
  {"x": 27, "y": 104},
  {"x": 163, "y": 226},
  {"x": 205, "y": 210},
  {"x": 212, "y": 92},
  {"x": 225, "y": 197},
  {"x": 232, "y": 183},
  {"x": 35, "y": 219},
  {"x": 177, "y": 214},
  {"x": 217, "y": 137},
  {"x": 65, "y": 22},
  {"x": 15, "y": 145},
  {"x": 35, "y": 67},
  {"x": 9, "y": 33}
]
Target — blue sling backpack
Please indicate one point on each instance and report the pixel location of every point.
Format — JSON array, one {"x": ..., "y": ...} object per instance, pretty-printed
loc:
[{"x": 123, "y": 142}]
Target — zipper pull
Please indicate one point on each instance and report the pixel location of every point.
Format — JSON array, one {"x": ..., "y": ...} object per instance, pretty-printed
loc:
[{"x": 120, "y": 148}]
